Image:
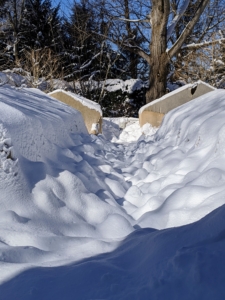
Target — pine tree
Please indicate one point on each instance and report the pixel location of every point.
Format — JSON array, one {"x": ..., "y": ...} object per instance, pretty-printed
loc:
[
  {"x": 83, "y": 48},
  {"x": 41, "y": 25}
]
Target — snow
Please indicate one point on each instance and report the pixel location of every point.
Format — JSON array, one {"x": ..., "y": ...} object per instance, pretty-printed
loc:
[
  {"x": 108, "y": 217},
  {"x": 113, "y": 85},
  {"x": 129, "y": 85},
  {"x": 125, "y": 130},
  {"x": 84, "y": 101},
  {"x": 13, "y": 79}
]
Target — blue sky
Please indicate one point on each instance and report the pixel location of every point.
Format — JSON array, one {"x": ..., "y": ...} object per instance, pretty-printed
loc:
[{"x": 64, "y": 4}]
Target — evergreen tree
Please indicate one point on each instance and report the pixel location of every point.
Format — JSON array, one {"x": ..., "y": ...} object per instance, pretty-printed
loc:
[
  {"x": 41, "y": 25},
  {"x": 83, "y": 48}
]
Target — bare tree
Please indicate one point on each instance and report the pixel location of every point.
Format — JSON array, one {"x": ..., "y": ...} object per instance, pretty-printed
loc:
[
  {"x": 195, "y": 58},
  {"x": 156, "y": 21}
]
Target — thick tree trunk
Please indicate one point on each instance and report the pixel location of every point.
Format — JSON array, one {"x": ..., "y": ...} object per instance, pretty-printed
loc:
[
  {"x": 159, "y": 60},
  {"x": 158, "y": 76}
]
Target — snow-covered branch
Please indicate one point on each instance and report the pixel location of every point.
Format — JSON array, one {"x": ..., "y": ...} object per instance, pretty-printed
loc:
[
  {"x": 134, "y": 21},
  {"x": 188, "y": 29},
  {"x": 203, "y": 44},
  {"x": 87, "y": 64}
]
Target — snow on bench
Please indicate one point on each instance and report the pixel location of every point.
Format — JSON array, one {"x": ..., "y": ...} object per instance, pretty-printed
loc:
[
  {"x": 90, "y": 110},
  {"x": 154, "y": 111}
]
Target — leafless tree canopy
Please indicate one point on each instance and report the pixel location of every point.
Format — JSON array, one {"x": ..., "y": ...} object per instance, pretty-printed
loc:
[{"x": 175, "y": 40}]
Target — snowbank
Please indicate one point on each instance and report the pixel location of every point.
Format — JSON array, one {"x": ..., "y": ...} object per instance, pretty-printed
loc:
[
  {"x": 103, "y": 220},
  {"x": 58, "y": 196},
  {"x": 180, "y": 174},
  {"x": 178, "y": 263}
]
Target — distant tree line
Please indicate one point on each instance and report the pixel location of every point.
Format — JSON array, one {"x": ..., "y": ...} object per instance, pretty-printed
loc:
[
  {"x": 35, "y": 37},
  {"x": 158, "y": 40}
]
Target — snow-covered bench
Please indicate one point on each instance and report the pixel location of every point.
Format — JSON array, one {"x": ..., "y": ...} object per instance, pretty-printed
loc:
[
  {"x": 90, "y": 110},
  {"x": 154, "y": 111}
]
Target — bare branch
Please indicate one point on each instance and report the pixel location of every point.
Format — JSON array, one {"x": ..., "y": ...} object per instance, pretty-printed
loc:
[
  {"x": 176, "y": 19},
  {"x": 127, "y": 46},
  {"x": 188, "y": 29}
]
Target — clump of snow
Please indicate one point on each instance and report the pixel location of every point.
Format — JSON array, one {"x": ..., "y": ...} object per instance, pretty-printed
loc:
[
  {"x": 84, "y": 101},
  {"x": 20, "y": 78},
  {"x": 53, "y": 84},
  {"x": 147, "y": 129},
  {"x": 125, "y": 130},
  {"x": 113, "y": 85},
  {"x": 95, "y": 128},
  {"x": 129, "y": 85}
]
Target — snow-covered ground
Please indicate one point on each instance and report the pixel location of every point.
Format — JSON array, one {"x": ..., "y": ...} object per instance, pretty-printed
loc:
[{"x": 85, "y": 217}]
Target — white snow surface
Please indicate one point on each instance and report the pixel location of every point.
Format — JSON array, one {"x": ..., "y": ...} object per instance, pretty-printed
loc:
[
  {"x": 89, "y": 217},
  {"x": 129, "y": 85},
  {"x": 125, "y": 130}
]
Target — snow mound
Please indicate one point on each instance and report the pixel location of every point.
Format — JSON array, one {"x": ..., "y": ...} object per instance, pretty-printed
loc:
[
  {"x": 68, "y": 197},
  {"x": 13, "y": 79},
  {"x": 55, "y": 195},
  {"x": 180, "y": 176}
]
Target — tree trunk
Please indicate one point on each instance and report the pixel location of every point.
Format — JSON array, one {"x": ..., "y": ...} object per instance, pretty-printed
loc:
[
  {"x": 158, "y": 76},
  {"x": 159, "y": 59}
]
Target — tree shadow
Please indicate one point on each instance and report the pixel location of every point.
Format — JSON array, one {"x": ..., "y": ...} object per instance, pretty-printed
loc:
[{"x": 102, "y": 277}]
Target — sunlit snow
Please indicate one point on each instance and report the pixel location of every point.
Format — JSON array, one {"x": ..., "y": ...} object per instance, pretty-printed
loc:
[{"x": 133, "y": 213}]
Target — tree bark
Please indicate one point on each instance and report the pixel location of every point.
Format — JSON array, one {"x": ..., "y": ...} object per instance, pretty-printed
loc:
[
  {"x": 158, "y": 75},
  {"x": 159, "y": 59}
]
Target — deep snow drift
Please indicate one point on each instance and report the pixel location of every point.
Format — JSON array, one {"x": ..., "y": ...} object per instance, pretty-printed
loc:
[{"x": 66, "y": 198}]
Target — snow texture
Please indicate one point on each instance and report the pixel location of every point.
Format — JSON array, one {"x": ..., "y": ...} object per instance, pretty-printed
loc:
[
  {"x": 129, "y": 85},
  {"x": 125, "y": 130},
  {"x": 84, "y": 217}
]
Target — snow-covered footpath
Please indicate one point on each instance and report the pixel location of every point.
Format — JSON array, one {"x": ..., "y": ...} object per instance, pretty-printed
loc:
[{"x": 85, "y": 217}]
